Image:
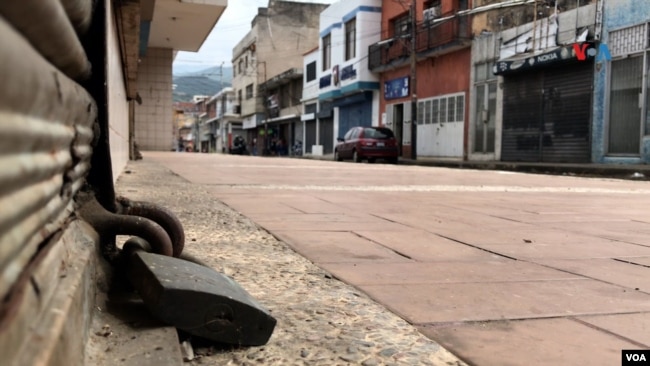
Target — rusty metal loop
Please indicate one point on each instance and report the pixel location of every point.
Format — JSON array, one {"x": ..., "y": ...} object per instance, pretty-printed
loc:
[
  {"x": 108, "y": 223},
  {"x": 158, "y": 214},
  {"x": 134, "y": 244}
]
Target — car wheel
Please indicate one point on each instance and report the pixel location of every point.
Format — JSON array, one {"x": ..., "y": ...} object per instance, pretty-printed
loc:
[
  {"x": 393, "y": 160},
  {"x": 356, "y": 157},
  {"x": 371, "y": 160},
  {"x": 336, "y": 156}
]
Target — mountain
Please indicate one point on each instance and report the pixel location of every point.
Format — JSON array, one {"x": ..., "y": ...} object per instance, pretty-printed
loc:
[{"x": 205, "y": 81}]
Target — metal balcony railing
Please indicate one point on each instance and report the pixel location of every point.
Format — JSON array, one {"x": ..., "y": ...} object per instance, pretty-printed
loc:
[{"x": 431, "y": 39}]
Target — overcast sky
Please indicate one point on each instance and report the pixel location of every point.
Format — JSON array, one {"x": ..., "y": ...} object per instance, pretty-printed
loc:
[{"x": 230, "y": 29}]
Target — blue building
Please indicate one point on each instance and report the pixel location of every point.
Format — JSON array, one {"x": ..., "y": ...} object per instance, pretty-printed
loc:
[{"x": 621, "y": 115}]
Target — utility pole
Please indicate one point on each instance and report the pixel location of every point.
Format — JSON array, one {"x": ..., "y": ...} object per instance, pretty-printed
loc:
[{"x": 414, "y": 96}]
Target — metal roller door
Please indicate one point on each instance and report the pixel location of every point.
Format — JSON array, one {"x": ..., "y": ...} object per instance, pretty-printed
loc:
[
  {"x": 46, "y": 127},
  {"x": 547, "y": 114},
  {"x": 326, "y": 134},
  {"x": 310, "y": 135}
]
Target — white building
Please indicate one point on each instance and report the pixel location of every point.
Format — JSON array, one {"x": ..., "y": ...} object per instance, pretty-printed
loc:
[
  {"x": 348, "y": 92},
  {"x": 226, "y": 122},
  {"x": 310, "y": 89}
]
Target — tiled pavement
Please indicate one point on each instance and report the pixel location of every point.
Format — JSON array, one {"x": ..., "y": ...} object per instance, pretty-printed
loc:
[{"x": 500, "y": 268}]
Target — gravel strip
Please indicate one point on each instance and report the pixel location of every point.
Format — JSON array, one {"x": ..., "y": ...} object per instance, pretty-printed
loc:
[{"x": 321, "y": 321}]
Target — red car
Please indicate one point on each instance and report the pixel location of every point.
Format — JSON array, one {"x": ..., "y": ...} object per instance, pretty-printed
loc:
[{"x": 369, "y": 143}]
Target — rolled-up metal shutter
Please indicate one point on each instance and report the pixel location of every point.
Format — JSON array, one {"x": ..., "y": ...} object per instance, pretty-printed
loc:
[{"x": 46, "y": 124}]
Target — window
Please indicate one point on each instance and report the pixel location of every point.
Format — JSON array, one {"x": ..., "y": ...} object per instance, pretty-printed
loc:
[
  {"x": 451, "y": 109},
  {"x": 327, "y": 52},
  {"x": 249, "y": 91},
  {"x": 311, "y": 71},
  {"x": 427, "y": 112},
  {"x": 241, "y": 66},
  {"x": 434, "y": 110},
  {"x": 460, "y": 108},
  {"x": 401, "y": 26},
  {"x": 350, "y": 39},
  {"x": 431, "y": 11}
]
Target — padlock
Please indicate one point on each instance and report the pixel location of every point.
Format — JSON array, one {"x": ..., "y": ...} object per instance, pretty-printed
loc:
[{"x": 196, "y": 298}]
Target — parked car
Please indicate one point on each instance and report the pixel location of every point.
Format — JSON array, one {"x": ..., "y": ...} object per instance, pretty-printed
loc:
[
  {"x": 370, "y": 143},
  {"x": 238, "y": 146}
]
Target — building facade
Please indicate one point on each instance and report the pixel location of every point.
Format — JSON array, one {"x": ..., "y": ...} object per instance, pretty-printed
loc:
[
  {"x": 547, "y": 75},
  {"x": 280, "y": 34},
  {"x": 225, "y": 123},
  {"x": 311, "y": 138},
  {"x": 431, "y": 48},
  {"x": 348, "y": 90},
  {"x": 621, "y": 108}
]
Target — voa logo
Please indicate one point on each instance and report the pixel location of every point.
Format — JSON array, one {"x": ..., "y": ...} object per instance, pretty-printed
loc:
[{"x": 635, "y": 357}]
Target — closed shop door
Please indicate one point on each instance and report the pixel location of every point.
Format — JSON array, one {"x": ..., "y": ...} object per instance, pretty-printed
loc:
[
  {"x": 546, "y": 115},
  {"x": 310, "y": 135},
  {"x": 352, "y": 115},
  {"x": 326, "y": 135}
]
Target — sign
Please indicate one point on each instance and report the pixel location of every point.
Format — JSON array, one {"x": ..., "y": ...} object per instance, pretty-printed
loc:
[
  {"x": 396, "y": 88},
  {"x": 325, "y": 81},
  {"x": 273, "y": 106},
  {"x": 580, "y": 52},
  {"x": 348, "y": 72}
]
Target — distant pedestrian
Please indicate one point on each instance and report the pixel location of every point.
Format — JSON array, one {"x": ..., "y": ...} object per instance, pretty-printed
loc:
[{"x": 254, "y": 146}]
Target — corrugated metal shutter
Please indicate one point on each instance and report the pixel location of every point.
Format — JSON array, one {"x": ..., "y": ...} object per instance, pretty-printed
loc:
[
  {"x": 521, "y": 123},
  {"x": 46, "y": 124},
  {"x": 546, "y": 115}
]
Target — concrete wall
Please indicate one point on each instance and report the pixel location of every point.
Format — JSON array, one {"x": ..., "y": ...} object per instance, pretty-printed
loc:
[
  {"x": 118, "y": 106},
  {"x": 153, "y": 119}
]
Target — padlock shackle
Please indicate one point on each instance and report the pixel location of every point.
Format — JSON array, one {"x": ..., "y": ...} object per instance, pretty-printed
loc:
[
  {"x": 159, "y": 215},
  {"x": 111, "y": 224}
]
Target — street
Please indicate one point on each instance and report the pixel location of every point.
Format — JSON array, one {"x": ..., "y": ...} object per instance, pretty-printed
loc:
[{"x": 500, "y": 268}]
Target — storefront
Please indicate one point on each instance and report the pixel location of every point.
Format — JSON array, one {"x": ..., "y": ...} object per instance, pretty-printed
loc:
[
  {"x": 547, "y": 105},
  {"x": 354, "y": 110}
]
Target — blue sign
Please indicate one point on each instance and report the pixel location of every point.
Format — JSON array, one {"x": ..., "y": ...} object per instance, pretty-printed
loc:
[
  {"x": 396, "y": 88},
  {"x": 348, "y": 72},
  {"x": 325, "y": 81}
]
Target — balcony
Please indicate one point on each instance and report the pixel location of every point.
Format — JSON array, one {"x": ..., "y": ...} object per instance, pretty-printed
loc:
[{"x": 430, "y": 40}]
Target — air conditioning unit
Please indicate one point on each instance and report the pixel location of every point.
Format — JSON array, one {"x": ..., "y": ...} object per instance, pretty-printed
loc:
[{"x": 431, "y": 13}]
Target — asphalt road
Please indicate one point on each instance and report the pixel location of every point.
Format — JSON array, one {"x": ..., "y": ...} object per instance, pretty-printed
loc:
[{"x": 500, "y": 268}]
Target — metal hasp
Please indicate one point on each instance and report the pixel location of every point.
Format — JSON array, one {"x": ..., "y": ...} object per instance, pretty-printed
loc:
[{"x": 198, "y": 299}]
